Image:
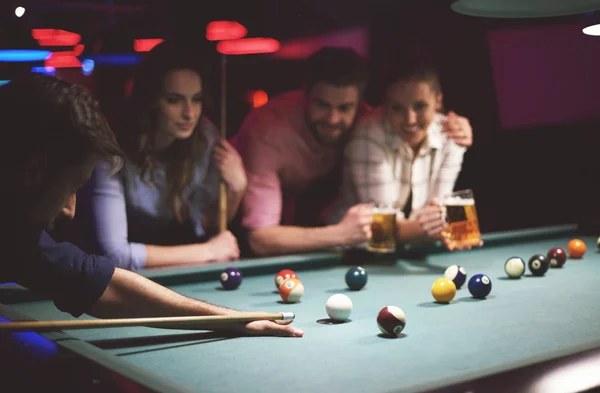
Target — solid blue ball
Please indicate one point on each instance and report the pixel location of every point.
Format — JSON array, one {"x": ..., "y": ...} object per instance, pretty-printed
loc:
[
  {"x": 231, "y": 278},
  {"x": 356, "y": 278},
  {"x": 480, "y": 286}
]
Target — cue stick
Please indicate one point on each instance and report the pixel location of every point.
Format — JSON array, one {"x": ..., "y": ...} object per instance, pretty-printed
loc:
[
  {"x": 39, "y": 326},
  {"x": 223, "y": 187}
]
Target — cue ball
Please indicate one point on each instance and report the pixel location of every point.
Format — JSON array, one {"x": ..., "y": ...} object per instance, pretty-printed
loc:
[
  {"x": 291, "y": 290},
  {"x": 443, "y": 290},
  {"x": 356, "y": 278},
  {"x": 338, "y": 307},
  {"x": 457, "y": 274},
  {"x": 576, "y": 248},
  {"x": 283, "y": 275},
  {"x": 514, "y": 267},
  {"x": 231, "y": 278},
  {"x": 557, "y": 257},
  {"x": 480, "y": 286},
  {"x": 391, "y": 320},
  {"x": 538, "y": 265}
]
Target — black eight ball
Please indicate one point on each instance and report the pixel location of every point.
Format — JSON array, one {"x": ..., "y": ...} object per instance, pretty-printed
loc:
[{"x": 538, "y": 264}]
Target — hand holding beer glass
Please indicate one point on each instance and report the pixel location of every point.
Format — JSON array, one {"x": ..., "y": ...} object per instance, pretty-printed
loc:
[
  {"x": 462, "y": 226},
  {"x": 383, "y": 229}
]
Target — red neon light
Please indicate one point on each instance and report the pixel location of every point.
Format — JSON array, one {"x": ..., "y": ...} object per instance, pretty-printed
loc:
[
  {"x": 55, "y": 37},
  {"x": 256, "y": 98},
  {"x": 259, "y": 98},
  {"x": 225, "y": 30},
  {"x": 63, "y": 60},
  {"x": 78, "y": 50},
  {"x": 248, "y": 46},
  {"x": 145, "y": 44}
]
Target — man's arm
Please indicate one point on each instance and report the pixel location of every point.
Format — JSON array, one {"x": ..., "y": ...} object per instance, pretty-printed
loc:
[
  {"x": 130, "y": 295},
  {"x": 262, "y": 205},
  {"x": 355, "y": 228},
  {"x": 279, "y": 240},
  {"x": 81, "y": 283}
]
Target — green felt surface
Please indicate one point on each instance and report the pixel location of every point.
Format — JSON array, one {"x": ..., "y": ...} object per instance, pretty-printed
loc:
[{"x": 522, "y": 321}]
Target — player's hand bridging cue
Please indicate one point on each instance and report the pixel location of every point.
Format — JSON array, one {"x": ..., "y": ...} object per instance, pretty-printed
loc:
[{"x": 270, "y": 328}]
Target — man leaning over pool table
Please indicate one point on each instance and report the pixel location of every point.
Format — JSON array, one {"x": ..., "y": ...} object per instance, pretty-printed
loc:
[{"x": 54, "y": 133}]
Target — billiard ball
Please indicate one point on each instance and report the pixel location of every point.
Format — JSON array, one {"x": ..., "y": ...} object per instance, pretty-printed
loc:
[
  {"x": 356, "y": 278},
  {"x": 538, "y": 264},
  {"x": 557, "y": 257},
  {"x": 514, "y": 267},
  {"x": 457, "y": 274},
  {"x": 480, "y": 286},
  {"x": 391, "y": 320},
  {"x": 576, "y": 248},
  {"x": 231, "y": 278},
  {"x": 598, "y": 243},
  {"x": 338, "y": 307},
  {"x": 283, "y": 275},
  {"x": 443, "y": 290},
  {"x": 291, "y": 290}
]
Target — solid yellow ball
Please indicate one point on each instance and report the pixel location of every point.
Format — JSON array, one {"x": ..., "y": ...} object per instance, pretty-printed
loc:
[{"x": 443, "y": 290}]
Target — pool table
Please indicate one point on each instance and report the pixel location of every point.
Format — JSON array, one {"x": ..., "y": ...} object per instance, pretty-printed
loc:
[{"x": 534, "y": 334}]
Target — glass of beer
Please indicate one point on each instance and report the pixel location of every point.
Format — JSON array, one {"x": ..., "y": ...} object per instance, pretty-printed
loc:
[
  {"x": 462, "y": 225},
  {"x": 383, "y": 229}
]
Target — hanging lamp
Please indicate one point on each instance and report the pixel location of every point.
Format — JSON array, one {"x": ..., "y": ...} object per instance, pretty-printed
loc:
[{"x": 524, "y": 8}]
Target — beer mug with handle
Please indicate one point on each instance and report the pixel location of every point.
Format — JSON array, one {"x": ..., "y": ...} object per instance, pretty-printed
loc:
[
  {"x": 383, "y": 228},
  {"x": 462, "y": 225}
]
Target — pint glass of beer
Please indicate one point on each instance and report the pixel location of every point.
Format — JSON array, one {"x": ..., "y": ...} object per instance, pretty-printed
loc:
[
  {"x": 383, "y": 228},
  {"x": 461, "y": 218}
]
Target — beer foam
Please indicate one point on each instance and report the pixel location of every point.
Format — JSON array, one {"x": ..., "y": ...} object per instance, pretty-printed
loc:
[
  {"x": 385, "y": 210},
  {"x": 458, "y": 201}
]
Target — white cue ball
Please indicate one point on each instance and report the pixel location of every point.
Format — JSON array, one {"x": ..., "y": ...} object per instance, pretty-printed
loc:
[
  {"x": 338, "y": 307},
  {"x": 515, "y": 267}
]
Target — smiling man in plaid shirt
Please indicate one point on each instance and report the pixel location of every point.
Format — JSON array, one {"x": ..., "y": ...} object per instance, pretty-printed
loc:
[{"x": 406, "y": 154}]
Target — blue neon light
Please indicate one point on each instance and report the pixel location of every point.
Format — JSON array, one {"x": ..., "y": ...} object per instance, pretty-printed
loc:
[
  {"x": 87, "y": 66},
  {"x": 3, "y": 82},
  {"x": 116, "y": 59},
  {"x": 23, "y": 55},
  {"x": 34, "y": 344},
  {"x": 44, "y": 70}
]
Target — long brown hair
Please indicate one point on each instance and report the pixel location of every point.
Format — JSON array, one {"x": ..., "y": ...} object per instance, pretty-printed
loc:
[{"x": 139, "y": 119}]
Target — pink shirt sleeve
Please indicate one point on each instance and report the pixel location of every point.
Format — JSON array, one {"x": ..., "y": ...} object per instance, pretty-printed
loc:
[{"x": 262, "y": 204}]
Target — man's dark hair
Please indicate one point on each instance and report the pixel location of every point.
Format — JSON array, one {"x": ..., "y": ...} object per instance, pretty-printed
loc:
[
  {"x": 336, "y": 66},
  {"x": 43, "y": 116}
]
